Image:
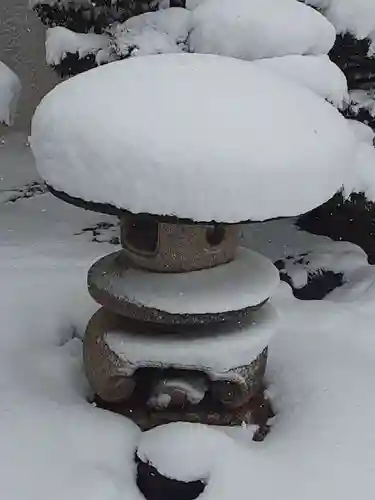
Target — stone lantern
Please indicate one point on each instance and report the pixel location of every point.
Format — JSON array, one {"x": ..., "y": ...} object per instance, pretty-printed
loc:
[
  {"x": 151, "y": 357},
  {"x": 176, "y": 147}
]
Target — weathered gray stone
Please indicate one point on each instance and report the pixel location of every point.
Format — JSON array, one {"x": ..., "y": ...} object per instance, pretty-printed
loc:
[
  {"x": 105, "y": 371},
  {"x": 175, "y": 248},
  {"x": 101, "y": 290},
  {"x": 153, "y": 393},
  {"x": 114, "y": 379},
  {"x": 248, "y": 380}
]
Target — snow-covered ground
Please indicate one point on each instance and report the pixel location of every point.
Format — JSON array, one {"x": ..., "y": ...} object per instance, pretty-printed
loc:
[{"x": 55, "y": 444}]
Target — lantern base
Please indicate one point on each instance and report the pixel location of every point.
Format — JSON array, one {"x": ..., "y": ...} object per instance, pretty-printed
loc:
[{"x": 256, "y": 412}]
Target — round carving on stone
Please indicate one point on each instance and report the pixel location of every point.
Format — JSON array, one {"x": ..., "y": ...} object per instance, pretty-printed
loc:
[{"x": 246, "y": 383}]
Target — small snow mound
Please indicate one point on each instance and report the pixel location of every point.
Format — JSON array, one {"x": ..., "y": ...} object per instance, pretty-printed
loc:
[
  {"x": 361, "y": 179},
  {"x": 331, "y": 256},
  {"x": 183, "y": 451},
  {"x": 253, "y": 29},
  {"x": 362, "y": 132},
  {"x": 317, "y": 73},
  {"x": 10, "y": 89},
  {"x": 181, "y": 112},
  {"x": 163, "y": 31},
  {"x": 359, "y": 287},
  {"x": 361, "y": 99},
  {"x": 192, "y": 4},
  {"x": 354, "y": 16},
  {"x": 61, "y": 41}
]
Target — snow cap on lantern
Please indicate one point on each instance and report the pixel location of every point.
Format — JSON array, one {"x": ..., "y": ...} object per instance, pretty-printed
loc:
[{"x": 191, "y": 136}]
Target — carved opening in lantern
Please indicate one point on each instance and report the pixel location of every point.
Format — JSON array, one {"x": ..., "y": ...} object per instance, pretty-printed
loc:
[
  {"x": 215, "y": 235},
  {"x": 142, "y": 235}
]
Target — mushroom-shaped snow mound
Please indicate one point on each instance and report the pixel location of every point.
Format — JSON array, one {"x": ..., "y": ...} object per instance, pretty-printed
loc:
[
  {"x": 196, "y": 457},
  {"x": 195, "y": 136},
  {"x": 200, "y": 447},
  {"x": 253, "y": 29}
]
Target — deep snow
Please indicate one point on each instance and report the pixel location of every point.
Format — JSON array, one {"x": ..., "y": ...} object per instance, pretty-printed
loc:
[
  {"x": 317, "y": 73},
  {"x": 253, "y": 29},
  {"x": 221, "y": 27},
  {"x": 356, "y": 17},
  {"x": 61, "y": 41},
  {"x": 56, "y": 445},
  {"x": 157, "y": 32}
]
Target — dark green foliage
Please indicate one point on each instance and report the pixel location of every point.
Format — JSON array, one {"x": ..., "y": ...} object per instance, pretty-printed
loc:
[
  {"x": 351, "y": 219},
  {"x": 89, "y": 18},
  {"x": 348, "y": 220},
  {"x": 352, "y": 56},
  {"x": 72, "y": 64}
]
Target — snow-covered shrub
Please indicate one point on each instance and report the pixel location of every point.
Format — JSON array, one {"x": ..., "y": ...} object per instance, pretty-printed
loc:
[
  {"x": 83, "y": 34},
  {"x": 351, "y": 217},
  {"x": 163, "y": 31},
  {"x": 83, "y": 17},
  {"x": 354, "y": 51},
  {"x": 289, "y": 37}
]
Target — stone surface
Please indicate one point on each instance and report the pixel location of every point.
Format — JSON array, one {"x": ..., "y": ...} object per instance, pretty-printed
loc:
[
  {"x": 104, "y": 369},
  {"x": 116, "y": 380},
  {"x": 183, "y": 298},
  {"x": 219, "y": 351},
  {"x": 174, "y": 248}
]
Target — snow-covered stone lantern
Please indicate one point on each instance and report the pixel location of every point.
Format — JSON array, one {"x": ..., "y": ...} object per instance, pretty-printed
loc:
[{"x": 183, "y": 148}]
